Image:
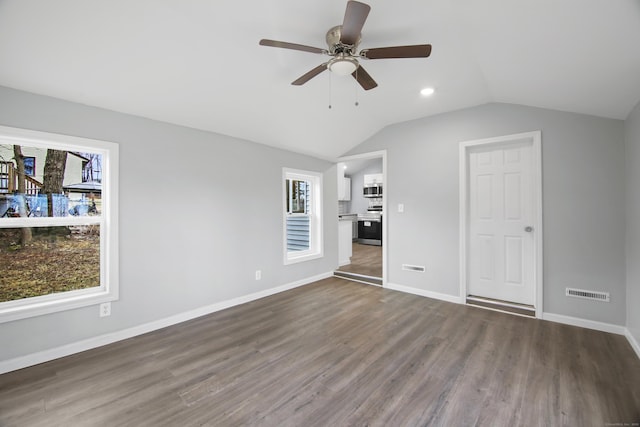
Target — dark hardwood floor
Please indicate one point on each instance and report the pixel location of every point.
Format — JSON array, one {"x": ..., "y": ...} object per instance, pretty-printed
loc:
[
  {"x": 338, "y": 353},
  {"x": 365, "y": 259}
]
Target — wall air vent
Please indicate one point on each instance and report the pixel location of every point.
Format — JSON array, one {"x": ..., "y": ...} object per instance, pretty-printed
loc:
[
  {"x": 592, "y": 295},
  {"x": 408, "y": 267}
]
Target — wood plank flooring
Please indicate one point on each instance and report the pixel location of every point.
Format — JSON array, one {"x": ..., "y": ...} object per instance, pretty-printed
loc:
[
  {"x": 365, "y": 259},
  {"x": 338, "y": 353}
]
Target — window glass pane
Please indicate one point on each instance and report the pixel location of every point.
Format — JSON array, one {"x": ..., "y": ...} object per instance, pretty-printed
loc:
[
  {"x": 42, "y": 182},
  {"x": 298, "y": 196},
  {"x": 55, "y": 259}
]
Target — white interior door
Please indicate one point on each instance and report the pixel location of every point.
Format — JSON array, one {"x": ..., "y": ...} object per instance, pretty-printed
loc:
[{"x": 501, "y": 256}]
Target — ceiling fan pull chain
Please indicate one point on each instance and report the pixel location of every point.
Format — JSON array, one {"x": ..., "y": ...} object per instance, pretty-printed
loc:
[
  {"x": 355, "y": 87},
  {"x": 329, "y": 90}
]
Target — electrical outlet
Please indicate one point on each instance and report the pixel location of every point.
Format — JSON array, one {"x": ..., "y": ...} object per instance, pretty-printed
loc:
[
  {"x": 105, "y": 309},
  {"x": 258, "y": 274}
]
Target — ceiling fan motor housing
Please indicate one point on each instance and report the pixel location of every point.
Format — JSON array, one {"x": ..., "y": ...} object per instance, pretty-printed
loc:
[{"x": 336, "y": 46}]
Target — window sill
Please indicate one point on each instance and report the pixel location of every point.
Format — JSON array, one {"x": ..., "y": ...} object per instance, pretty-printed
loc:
[
  {"x": 301, "y": 258},
  {"x": 47, "y": 304}
]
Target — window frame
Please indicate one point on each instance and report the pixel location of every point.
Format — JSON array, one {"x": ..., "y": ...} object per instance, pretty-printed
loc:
[
  {"x": 108, "y": 222},
  {"x": 316, "y": 244}
]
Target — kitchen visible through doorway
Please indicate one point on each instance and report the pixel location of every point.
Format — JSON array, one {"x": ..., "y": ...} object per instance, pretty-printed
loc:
[{"x": 363, "y": 206}]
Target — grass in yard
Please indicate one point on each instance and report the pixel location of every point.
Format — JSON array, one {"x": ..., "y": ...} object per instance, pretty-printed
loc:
[{"x": 56, "y": 260}]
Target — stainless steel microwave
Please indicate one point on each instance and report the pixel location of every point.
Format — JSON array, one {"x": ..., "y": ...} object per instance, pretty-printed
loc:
[{"x": 372, "y": 190}]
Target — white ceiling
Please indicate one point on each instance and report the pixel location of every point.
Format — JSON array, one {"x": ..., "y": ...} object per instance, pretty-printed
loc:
[
  {"x": 197, "y": 63},
  {"x": 353, "y": 166}
]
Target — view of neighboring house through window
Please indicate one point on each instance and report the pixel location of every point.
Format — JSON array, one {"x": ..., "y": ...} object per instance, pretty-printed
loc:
[
  {"x": 57, "y": 228},
  {"x": 298, "y": 201},
  {"x": 302, "y": 215}
]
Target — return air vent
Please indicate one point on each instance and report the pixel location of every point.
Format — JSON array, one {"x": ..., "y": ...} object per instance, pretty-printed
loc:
[
  {"x": 592, "y": 295},
  {"x": 408, "y": 267}
]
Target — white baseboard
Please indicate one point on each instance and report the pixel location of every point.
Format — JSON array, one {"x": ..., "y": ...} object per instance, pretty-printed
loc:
[
  {"x": 424, "y": 293},
  {"x": 584, "y": 323},
  {"x": 99, "y": 341},
  {"x": 633, "y": 342}
]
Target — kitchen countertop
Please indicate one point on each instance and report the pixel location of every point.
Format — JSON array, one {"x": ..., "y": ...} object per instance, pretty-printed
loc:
[{"x": 347, "y": 217}]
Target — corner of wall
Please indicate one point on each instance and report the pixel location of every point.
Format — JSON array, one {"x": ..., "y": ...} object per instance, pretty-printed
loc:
[
  {"x": 634, "y": 343},
  {"x": 632, "y": 230}
]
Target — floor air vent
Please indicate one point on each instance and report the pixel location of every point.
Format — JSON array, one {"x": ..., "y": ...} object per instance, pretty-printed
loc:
[
  {"x": 592, "y": 295},
  {"x": 413, "y": 268}
]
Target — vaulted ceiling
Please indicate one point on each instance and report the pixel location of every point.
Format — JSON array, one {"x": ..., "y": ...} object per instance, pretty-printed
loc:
[{"x": 197, "y": 63}]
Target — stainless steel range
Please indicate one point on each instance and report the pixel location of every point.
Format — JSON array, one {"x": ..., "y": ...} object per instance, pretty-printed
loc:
[{"x": 370, "y": 228}]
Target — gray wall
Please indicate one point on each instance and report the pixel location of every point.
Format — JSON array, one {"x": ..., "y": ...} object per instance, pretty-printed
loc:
[
  {"x": 632, "y": 128},
  {"x": 359, "y": 203},
  {"x": 583, "y": 201},
  {"x": 199, "y": 213}
]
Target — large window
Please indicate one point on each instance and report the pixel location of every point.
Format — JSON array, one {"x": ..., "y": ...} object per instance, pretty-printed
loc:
[
  {"x": 58, "y": 230},
  {"x": 302, "y": 215}
]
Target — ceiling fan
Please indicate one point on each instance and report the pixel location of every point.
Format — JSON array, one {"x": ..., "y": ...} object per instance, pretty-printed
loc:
[{"x": 343, "y": 41}]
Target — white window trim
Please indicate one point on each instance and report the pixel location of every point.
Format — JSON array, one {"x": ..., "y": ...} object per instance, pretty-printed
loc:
[
  {"x": 108, "y": 221},
  {"x": 316, "y": 245}
]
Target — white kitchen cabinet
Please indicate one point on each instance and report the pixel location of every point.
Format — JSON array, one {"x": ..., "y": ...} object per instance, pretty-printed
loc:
[
  {"x": 344, "y": 184},
  {"x": 373, "y": 179},
  {"x": 344, "y": 242},
  {"x": 344, "y": 193}
]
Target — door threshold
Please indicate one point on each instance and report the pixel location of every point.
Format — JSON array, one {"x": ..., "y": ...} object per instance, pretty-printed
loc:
[
  {"x": 370, "y": 242},
  {"x": 503, "y": 306},
  {"x": 369, "y": 280}
]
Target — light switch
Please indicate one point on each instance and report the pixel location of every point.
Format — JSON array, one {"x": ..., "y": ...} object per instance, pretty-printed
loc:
[{"x": 400, "y": 207}]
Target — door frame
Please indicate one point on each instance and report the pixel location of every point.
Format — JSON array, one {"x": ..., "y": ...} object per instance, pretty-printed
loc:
[
  {"x": 385, "y": 217},
  {"x": 535, "y": 138}
]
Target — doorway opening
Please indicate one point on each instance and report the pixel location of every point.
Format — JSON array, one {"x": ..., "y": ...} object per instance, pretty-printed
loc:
[
  {"x": 361, "y": 218},
  {"x": 501, "y": 223}
]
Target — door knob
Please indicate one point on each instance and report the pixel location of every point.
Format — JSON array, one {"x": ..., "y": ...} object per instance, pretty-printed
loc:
[{"x": 528, "y": 229}]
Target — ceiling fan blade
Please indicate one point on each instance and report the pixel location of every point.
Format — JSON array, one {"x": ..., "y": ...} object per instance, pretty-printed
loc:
[
  {"x": 294, "y": 46},
  {"x": 415, "y": 51},
  {"x": 354, "y": 18},
  {"x": 365, "y": 80},
  {"x": 309, "y": 75}
]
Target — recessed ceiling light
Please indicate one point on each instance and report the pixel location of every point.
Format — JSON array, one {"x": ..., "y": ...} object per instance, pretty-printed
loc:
[{"x": 427, "y": 91}]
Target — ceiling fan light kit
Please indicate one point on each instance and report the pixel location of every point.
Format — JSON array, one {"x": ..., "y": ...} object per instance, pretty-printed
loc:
[
  {"x": 343, "y": 65},
  {"x": 342, "y": 41}
]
